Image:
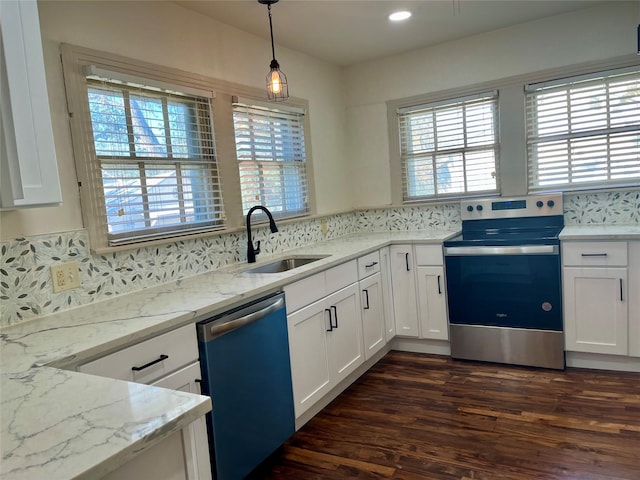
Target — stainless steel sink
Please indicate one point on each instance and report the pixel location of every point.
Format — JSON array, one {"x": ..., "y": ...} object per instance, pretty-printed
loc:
[{"x": 284, "y": 264}]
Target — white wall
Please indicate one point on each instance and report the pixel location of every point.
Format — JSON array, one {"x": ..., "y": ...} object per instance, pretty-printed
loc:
[
  {"x": 593, "y": 34},
  {"x": 167, "y": 34}
]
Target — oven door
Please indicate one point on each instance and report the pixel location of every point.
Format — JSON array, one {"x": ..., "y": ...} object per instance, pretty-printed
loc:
[{"x": 512, "y": 286}]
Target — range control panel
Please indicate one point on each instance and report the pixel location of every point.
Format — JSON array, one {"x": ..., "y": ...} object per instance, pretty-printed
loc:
[{"x": 499, "y": 207}]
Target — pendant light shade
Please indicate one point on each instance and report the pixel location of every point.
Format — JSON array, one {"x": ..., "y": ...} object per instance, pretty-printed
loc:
[{"x": 277, "y": 86}]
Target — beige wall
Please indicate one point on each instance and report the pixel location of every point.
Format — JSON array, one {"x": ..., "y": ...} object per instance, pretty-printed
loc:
[
  {"x": 167, "y": 34},
  {"x": 349, "y": 129},
  {"x": 594, "y": 34}
]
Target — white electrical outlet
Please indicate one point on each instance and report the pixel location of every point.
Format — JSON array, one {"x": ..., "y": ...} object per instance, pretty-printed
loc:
[
  {"x": 323, "y": 226},
  {"x": 65, "y": 276}
]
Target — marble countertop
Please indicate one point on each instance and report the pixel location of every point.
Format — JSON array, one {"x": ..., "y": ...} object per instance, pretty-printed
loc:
[
  {"x": 60, "y": 424},
  {"x": 600, "y": 232}
]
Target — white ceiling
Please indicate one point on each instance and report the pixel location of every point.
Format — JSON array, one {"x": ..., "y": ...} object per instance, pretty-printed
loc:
[{"x": 345, "y": 32}]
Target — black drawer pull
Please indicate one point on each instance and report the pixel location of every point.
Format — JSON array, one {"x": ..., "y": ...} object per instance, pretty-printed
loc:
[
  {"x": 621, "y": 290},
  {"x": 366, "y": 294},
  {"x": 147, "y": 365},
  {"x": 439, "y": 289},
  {"x": 594, "y": 254},
  {"x": 406, "y": 259},
  {"x": 372, "y": 264},
  {"x": 335, "y": 314},
  {"x": 330, "y": 329}
]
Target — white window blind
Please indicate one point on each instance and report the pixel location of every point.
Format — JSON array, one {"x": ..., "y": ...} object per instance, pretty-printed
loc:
[
  {"x": 157, "y": 161},
  {"x": 449, "y": 149},
  {"x": 584, "y": 132},
  {"x": 270, "y": 148}
]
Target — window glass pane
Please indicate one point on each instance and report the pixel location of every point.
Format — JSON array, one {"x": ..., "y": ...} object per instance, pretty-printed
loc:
[
  {"x": 123, "y": 197},
  {"x": 450, "y": 128},
  {"x": 584, "y": 133},
  {"x": 109, "y": 122},
  {"x": 270, "y": 149},
  {"x": 449, "y": 150},
  {"x": 165, "y": 179},
  {"x": 147, "y": 119},
  {"x": 420, "y": 178}
]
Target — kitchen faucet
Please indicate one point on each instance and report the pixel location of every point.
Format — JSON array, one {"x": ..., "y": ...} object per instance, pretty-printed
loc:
[{"x": 252, "y": 252}]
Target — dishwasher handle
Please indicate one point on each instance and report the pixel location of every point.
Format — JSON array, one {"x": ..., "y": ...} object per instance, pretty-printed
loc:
[{"x": 245, "y": 316}]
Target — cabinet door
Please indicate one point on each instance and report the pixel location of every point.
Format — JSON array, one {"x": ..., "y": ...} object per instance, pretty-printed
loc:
[
  {"x": 308, "y": 350},
  {"x": 405, "y": 307},
  {"x": 28, "y": 166},
  {"x": 373, "y": 327},
  {"x": 432, "y": 303},
  {"x": 195, "y": 443},
  {"x": 387, "y": 297},
  {"x": 595, "y": 310},
  {"x": 344, "y": 340},
  {"x": 183, "y": 455}
]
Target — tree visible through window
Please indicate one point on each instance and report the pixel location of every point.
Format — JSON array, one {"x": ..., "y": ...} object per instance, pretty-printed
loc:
[
  {"x": 157, "y": 160},
  {"x": 449, "y": 149}
]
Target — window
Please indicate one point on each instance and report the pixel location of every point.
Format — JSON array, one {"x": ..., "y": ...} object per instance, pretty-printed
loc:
[
  {"x": 584, "y": 132},
  {"x": 449, "y": 149},
  {"x": 157, "y": 160},
  {"x": 270, "y": 148}
]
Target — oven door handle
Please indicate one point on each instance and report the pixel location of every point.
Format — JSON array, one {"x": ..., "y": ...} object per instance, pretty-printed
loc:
[{"x": 511, "y": 250}]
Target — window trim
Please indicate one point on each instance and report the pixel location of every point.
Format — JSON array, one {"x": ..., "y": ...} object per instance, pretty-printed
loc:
[
  {"x": 565, "y": 83},
  {"x": 286, "y": 109},
  {"x": 75, "y": 59},
  {"x": 513, "y": 166},
  {"x": 396, "y": 108}
]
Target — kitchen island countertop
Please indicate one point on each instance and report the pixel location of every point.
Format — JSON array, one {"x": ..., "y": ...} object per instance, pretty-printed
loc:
[{"x": 60, "y": 424}]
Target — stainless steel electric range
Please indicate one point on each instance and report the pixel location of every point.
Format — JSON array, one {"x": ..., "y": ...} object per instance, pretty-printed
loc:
[{"x": 504, "y": 284}]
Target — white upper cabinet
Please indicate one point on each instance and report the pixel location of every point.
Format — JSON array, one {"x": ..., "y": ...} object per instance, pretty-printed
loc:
[{"x": 28, "y": 167}]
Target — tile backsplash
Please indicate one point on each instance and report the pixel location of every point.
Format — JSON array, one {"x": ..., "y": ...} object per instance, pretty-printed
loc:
[{"x": 25, "y": 279}]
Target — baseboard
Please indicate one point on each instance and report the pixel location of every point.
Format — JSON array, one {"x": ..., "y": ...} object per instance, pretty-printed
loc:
[
  {"x": 598, "y": 361},
  {"x": 418, "y": 345}
]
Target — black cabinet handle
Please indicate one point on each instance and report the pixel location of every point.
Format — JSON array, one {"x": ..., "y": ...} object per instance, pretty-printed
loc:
[
  {"x": 330, "y": 329},
  {"x": 366, "y": 296},
  {"x": 372, "y": 264},
  {"x": 594, "y": 254},
  {"x": 147, "y": 365},
  {"x": 406, "y": 259},
  {"x": 621, "y": 288},
  {"x": 439, "y": 289},
  {"x": 335, "y": 314}
]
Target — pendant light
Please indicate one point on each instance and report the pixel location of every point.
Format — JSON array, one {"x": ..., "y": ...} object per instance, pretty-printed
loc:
[{"x": 277, "y": 87}]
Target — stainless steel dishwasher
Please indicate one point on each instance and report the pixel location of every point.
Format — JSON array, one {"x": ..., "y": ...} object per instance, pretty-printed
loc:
[{"x": 244, "y": 357}]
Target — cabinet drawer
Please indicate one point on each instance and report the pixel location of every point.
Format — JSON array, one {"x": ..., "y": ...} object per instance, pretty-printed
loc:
[
  {"x": 341, "y": 276},
  {"x": 304, "y": 292},
  {"x": 429, "y": 255},
  {"x": 180, "y": 347},
  {"x": 368, "y": 265},
  {"x": 594, "y": 254}
]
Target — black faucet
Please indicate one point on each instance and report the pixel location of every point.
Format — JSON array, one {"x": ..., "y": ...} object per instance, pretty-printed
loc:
[{"x": 252, "y": 252}]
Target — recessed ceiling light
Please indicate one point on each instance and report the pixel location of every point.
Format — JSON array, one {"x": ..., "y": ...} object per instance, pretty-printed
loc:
[{"x": 399, "y": 16}]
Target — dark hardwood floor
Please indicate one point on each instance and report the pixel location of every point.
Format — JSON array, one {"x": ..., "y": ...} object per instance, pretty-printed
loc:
[{"x": 415, "y": 416}]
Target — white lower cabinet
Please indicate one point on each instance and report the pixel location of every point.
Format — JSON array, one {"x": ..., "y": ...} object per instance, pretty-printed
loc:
[
  {"x": 168, "y": 361},
  {"x": 405, "y": 306},
  {"x": 432, "y": 303},
  {"x": 596, "y": 296},
  {"x": 325, "y": 337},
  {"x": 595, "y": 310},
  {"x": 325, "y": 344},
  {"x": 387, "y": 293},
  {"x": 373, "y": 324}
]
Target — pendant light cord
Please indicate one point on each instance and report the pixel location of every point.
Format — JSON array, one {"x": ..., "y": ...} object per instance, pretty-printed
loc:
[{"x": 273, "y": 50}]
